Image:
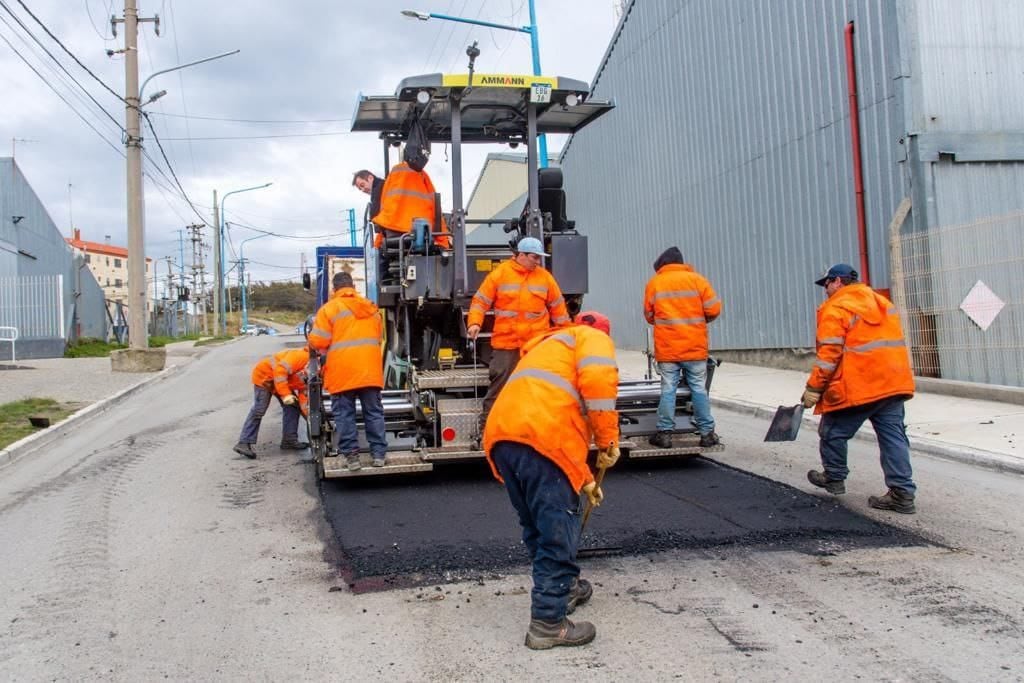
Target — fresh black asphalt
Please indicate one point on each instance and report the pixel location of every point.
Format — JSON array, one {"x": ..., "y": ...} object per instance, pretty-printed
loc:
[{"x": 456, "y": 523}]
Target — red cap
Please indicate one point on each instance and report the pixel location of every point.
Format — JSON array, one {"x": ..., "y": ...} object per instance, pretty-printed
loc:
[{"x": 595, "y": 320}]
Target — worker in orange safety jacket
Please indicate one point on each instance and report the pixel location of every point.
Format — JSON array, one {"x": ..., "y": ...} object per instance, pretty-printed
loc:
[
  {"x": 526, "y": 300},
  {"x": 862, "y": 372},
  {"x": 281, "y": 375},
  {"x": 560, "y": 399},
  {"x": 407, "y": 196},
  {"x": 679, "y": 302},
  {"x": 349, "y": 328}
]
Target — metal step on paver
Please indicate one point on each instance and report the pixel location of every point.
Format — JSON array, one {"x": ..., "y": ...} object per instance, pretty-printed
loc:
[
  {"x": 456, "y": 378},
  {"x": 682, "y": 444},
  {"x": 399, "y": 462},
  {"x": 451, "y": 453}
]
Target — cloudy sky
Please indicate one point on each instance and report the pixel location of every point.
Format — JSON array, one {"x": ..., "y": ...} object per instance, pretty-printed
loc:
[{"x": 279, "y": 111}]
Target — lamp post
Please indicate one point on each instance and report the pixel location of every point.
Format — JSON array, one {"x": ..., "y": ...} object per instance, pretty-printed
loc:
[
  {"x": 137, "y": 333},
  {"x": 241, "y": 265},
  {"x": 542, "y": 142},
  {"x": 220, "y": 250}
]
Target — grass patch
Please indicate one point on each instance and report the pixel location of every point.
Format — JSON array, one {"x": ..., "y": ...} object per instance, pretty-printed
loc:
[
  {"x": 290, "y": 318},
  {"x": 89, "y": 347},
  {"x": 159, "y": 341},
  {"x": 14, "y": 424},
  {"x": 209, "y": 341}
]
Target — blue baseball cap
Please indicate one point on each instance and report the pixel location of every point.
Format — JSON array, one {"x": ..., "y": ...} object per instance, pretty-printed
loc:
[
  {"x": 838, "y": 270},
  {"x": 531, "y": 245}
]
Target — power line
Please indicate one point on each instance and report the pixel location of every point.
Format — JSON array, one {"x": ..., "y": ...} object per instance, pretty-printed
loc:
[
  {"x": 282, "y": 236},
  {"x": 170, "y": 168},
  {"x": 266, "y": 137},
  {"x": 70, "y": 53},
  {"x": 186, "y": 115}
]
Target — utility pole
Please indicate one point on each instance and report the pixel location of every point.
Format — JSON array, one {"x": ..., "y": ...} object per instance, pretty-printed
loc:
[
  {"x": 182, "y": 306},
  {"x": 218, "y": 268},
  {"x": 198, "y": 284},
  {"x": 137, "y": 337}
]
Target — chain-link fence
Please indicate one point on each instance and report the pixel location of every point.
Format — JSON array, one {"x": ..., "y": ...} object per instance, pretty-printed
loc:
[{"x": 959, "y": 290}]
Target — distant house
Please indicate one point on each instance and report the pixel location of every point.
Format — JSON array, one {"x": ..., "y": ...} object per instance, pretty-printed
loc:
[{"x": 108, "y": 264}]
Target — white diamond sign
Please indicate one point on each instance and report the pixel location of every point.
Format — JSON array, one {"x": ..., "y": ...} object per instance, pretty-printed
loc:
[{"x": 981, "y": 305}]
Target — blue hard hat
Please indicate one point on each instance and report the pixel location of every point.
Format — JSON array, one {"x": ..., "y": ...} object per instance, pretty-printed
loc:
[{"x": 531, "y": 245}]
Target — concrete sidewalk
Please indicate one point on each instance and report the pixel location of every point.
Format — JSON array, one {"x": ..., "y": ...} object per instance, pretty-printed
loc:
[{"x": 968, "y": 430}]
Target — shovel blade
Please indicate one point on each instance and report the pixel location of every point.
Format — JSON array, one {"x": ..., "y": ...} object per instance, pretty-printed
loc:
[{"x": 786, "y": 423}]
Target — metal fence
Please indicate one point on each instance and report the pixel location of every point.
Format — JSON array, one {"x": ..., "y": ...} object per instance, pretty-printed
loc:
[
  {"x": 34, "y": 304},
  {"x": 959, "y": 288}
]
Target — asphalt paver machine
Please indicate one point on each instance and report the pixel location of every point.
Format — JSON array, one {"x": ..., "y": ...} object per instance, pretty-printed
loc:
[{"x": 435, "y": 378}]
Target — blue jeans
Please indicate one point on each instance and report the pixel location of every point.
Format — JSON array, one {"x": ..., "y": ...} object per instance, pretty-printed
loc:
[
  {"x": 549, "y": 514},
  {"x": 343, "y": 406},
  {"x": 886, "y": 417},
  {"x": 260, "y": 404},
  {"x": 696, "y": 378}
]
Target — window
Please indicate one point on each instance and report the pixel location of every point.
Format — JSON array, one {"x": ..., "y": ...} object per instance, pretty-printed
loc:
[
  {"x": 117, "y": 282},
  {"x": 117, "y": 263},
  {"x": 108, "y": 282},
  {"x": 88, "y": 258},
  {"x": 108, "y": 260}
]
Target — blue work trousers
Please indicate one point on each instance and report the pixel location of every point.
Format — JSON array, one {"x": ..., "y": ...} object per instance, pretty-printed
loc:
[
  {"x": 839, "y": 426},
  {"x": 343, "y": 406},
  {"x": 696, "y": 377},
  {"x": 260, "y": 404},
  {"x": 549, "y": 514}
]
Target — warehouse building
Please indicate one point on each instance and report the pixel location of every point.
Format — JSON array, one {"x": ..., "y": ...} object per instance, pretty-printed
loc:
[{"x": 733, "y": 139}]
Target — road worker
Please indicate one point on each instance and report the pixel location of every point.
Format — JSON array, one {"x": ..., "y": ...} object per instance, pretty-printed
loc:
[
  {"x": 862, "y": 372},
  {"x": 679, "y": 302},
  {"x": 407, "y": 196},
  {"x": 526, "y": 301},
  {"x": 349, "y": 329},
  {"x": 366, "y": 181},
  {"x": 281, "y": 375},
  {"x": 559, "y": 400}
]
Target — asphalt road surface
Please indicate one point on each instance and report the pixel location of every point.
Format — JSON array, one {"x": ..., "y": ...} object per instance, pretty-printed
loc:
[{"x": 139, "y": 547}]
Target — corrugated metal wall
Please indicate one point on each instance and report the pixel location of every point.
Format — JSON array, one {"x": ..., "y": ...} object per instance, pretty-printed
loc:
[{"x": 731, "y": 140}]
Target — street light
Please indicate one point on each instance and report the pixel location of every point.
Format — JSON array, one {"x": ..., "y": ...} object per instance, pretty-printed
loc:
[
  {"x": 220, "y": 251},
  {"x": 137, "y": 337},
  {"x": 542, "y": 142},
  {"x": 241, "y": 264}
]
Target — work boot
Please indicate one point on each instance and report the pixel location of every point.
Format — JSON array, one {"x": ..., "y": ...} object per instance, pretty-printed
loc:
[
  {"x": 245, "y": 449},
  {"x": 352, "y": 462},
  {"x": 661, "y": 440},
  {"x": 579, "y": 594},
  {"x": 709, "y": 439},
  {"x": 544, "y": 635},
  {"x": 896, "y": 500},
  {"x": 378, "y": 461},
  {"x": 834, "y": 486},
  {"x": 295, "y": 445}
]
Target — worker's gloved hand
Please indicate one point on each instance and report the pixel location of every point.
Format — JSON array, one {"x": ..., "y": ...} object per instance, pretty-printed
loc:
[
  {"x": 378, "y": 240},
  {"x": 472, "y": 331},
  {"x": 608, "y": 457},
  {"x": 810, "y": 397},
  {"x": 289, "y": 400},
  {"x": 593, "y": 493}
]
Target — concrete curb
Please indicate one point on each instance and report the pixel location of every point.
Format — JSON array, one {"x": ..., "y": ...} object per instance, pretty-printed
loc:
[
  {"x": 947, "y": 451},
  {"x": 42, "y": 438}
]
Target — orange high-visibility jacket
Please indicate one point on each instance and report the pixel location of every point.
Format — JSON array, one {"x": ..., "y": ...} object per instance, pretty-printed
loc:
[
  {"x": 407, "y": 195},
  {"x": 280, "y": 374},
  {"x": 349, "y": 328},
  {"x": 680, "y": 303},
  {"x": 525, "y": 303},
  {"x": 560, "y": 396},
  {"x": 862, "y": 355}
]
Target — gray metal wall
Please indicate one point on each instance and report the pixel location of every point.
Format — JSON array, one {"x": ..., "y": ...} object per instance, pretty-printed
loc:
[
  {"x": 35, "y": 246},
  {"x": 731, "y": 140}
]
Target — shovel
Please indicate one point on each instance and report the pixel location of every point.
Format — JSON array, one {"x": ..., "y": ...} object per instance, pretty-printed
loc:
[
  {"x": 786, "y": 423},
  {"x": 591, "y": 552}
]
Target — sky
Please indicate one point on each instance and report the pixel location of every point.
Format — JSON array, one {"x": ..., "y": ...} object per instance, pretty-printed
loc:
[{"x": 277, "y": 112}]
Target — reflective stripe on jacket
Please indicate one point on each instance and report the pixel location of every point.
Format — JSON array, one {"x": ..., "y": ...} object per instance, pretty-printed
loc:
[
  {"x": 349, "y": 328},
  {"x": 862, "y": 356},
  {"x": 560, "y": 397},
  {"x": 525, "y": 303},
  {"x": 407, "y": 195},
  {"x": 680, "y": 302},
  {"x": 280, "y": 373}
]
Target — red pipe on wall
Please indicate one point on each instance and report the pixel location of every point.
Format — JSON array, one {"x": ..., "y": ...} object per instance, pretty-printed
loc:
[{"x": 858, "y": 172}]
